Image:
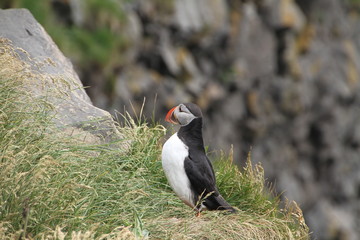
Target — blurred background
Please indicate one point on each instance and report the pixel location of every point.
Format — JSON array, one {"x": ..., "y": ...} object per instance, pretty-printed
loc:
[{"x": 279, "y": 77}]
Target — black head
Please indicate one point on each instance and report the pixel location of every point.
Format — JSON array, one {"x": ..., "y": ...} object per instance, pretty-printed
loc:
[{"x": 194, "y": 109}]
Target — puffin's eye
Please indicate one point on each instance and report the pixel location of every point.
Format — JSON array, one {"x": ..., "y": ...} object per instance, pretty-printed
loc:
[{"x": 183, "y": 108}]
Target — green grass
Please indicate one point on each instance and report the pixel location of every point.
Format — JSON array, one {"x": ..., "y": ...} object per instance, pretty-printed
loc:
[
  {"x": 99, "y": 38},
  {"x": 53, "y": 186}
]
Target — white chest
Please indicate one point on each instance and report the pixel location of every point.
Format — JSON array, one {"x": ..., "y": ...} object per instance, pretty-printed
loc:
[{"x": 173, "y": 154}]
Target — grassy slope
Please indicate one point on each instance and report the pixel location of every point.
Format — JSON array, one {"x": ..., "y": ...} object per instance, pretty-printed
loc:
[{"x": 55, "y": 187}]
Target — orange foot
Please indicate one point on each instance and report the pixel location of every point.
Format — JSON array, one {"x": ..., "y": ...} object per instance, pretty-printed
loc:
[{"x": 198, "y": 214}]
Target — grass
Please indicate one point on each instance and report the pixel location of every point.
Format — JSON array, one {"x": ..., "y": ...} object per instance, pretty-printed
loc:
[{"x": 53, "y": 186}]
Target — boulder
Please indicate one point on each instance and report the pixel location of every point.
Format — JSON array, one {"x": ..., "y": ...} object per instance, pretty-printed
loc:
[{"x": 57, "y": 81}]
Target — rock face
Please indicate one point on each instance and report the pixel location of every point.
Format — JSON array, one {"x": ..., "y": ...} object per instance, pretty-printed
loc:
[{"x": 57, "y": 79}]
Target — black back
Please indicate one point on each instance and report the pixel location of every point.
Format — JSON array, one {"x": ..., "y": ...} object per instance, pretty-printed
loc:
[{"x": 198, "y": 167}]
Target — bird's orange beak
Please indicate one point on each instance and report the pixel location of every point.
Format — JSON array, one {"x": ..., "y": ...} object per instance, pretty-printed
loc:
[{"x": 170, "y": 117}]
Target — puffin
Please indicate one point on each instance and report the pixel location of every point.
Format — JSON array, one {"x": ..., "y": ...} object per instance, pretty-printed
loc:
[{"x": 186, "y": 166}]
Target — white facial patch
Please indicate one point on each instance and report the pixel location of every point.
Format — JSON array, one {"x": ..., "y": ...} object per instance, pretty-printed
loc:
[{"x": 184, "y": 117}]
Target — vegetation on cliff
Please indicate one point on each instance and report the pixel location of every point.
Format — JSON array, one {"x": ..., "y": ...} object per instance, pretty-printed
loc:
[
  {"x": 54, "y": 186},
  {"x": 87, "y": 41}
]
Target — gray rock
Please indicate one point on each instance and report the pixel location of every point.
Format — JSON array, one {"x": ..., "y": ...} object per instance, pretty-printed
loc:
[
  {"x": 169, "y": 53},
  {"x": 284, "y": 14},
  {"x": 198, "y": 15},
  {"x": 340, "y": 221},
  {"x": 59, "y": 83},
  {"x": 253, "y": 46}
]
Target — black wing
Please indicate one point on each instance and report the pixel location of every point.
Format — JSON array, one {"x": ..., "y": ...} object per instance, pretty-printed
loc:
[{"x": 201, "y": 175}]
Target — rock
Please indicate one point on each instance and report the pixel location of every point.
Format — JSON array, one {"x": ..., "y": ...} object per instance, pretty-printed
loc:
[
  {"x": 77, "y": 12},
  {"x": 58, "y": 81},
  {"x": 340, "y": 219},
  {"x": 132, "y": 33},
  {"x": 133, "y": 82},
  {"x": 169, "y": 53},
  {"x": 250, "y": 38},
  {"x": 199, "y": 15},
  {"x": 284, "y": 14}
]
